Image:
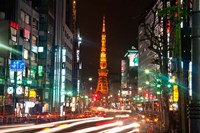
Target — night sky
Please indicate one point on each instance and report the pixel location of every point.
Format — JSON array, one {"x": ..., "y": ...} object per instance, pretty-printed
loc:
[{"x": 122, "y": 19}]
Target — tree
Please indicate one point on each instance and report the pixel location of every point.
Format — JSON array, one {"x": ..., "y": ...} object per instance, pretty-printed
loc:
[{"x": 165, "y": 18}]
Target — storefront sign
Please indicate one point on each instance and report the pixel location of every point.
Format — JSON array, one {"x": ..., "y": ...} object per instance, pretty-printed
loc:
[{"x": 175, "y": 93}]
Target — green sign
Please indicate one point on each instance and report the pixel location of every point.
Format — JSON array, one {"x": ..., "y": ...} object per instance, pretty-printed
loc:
[{"x": 40, "y": 71}]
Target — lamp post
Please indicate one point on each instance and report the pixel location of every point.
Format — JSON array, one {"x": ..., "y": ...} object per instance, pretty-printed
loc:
[
  {"x": 147, "y": 72},
  {"x": 90, "y": 80}
]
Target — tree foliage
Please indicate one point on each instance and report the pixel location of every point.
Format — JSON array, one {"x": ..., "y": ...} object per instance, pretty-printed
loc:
[
  {"x": 153, "y": 34},
  {"x": 153, "y": 30}
]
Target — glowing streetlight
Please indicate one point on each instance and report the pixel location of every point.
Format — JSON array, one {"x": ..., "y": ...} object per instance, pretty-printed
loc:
[
  {"x": 90, "y": 79},
  {"x": 147, "y": 71}
]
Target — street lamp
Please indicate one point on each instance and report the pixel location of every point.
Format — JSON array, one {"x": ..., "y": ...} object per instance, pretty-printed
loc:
[
  {"x": 139, "y": 89},
  {"x": 147, "y": 71},
  {"x": 90, "y": 79}
]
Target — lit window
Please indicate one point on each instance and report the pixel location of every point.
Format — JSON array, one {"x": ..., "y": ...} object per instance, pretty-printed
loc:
[
  {"x": 26, "y": 34},
  {"x": 24, "y": 73},
  {"x": 13, "y": 34},
  {"x": 33, "y": 56},
  {"x": 27, "y": 19},
  {"x": 29, "y": 72},
  {"x": 34, "y": 40},
  {"x": 40, "y": 49},
  {"x": 34, "y": 44},
  {"x": 25, "y": 54},
  {"x": 22, "y": 15}
]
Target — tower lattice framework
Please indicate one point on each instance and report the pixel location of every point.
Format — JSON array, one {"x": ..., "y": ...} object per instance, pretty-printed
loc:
[{"x": 102, "y": 84}]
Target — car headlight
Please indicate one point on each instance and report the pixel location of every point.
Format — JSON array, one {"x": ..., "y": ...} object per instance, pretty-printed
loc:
[{"x": 136, "y": 124}]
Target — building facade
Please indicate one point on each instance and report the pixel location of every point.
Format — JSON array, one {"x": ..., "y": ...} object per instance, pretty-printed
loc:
[
  {"x": 36, "y": 55},
  {"x": 22, "y": 43},
  {"x": 129, "y": 77},
  {"x": 148, "y": 63}
]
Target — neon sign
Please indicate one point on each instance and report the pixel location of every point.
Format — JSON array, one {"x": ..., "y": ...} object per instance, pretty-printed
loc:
[{"x": 14, "y": 25}]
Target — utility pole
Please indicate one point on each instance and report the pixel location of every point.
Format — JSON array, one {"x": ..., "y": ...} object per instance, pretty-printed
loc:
[
  {"x": 181, "y": 100},
  {"x": 194, "y": 107},
  {"x": 165, "y": 72}
]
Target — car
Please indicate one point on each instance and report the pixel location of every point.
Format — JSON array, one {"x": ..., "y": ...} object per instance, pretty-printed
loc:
[{"x": 152, "y": 118}]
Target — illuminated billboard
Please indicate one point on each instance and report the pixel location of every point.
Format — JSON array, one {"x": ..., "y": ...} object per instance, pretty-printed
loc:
[{"x": 133, "y": 58}]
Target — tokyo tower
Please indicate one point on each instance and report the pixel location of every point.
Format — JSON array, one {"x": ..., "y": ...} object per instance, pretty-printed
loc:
[{"x": 102, "y": 84}]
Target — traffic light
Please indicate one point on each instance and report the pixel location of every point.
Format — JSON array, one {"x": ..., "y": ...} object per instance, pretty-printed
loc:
[
  {"x": 146, "y": 94},
  {"x": 94, "y": 97}
]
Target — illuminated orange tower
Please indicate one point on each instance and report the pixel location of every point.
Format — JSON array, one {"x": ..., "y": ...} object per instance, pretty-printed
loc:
[{"x": 102, "y": 84}]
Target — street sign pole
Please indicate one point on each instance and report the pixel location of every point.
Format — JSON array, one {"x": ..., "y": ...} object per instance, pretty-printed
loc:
[
  {"x": 6, "y": 84},
  {"x": 16, "y": 65},
  {"x": 14, "y": 95}
]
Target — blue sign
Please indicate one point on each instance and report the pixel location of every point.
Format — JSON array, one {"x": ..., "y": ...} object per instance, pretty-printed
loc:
[{"x": 17, "y": 65}]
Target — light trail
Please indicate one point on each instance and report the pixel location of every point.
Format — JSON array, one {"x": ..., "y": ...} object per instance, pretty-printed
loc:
[
  {"x": 119, "y": 129},
  {"x": 99, "y": 127},
  {"x": 15, "y": 125},
  {"x": 135, "y": 130},
  {"x": 56, "y": 129},
  {"x": 32, "y": 127},
  {"x": 5, "y": 47}
]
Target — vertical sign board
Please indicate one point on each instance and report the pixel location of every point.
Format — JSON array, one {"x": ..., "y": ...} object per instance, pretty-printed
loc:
[
  {"x": 133, "y": 58},
  {"x": 175, "y": 93}
]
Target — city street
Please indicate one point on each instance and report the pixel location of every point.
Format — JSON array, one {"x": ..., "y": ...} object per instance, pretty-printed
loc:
[
  {"x": 99, "y": 66},
  {"x": 92, "y": 125}
]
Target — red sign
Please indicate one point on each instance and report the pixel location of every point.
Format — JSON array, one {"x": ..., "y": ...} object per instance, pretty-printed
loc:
[
  {"x": 26, "y": 34},
  {"x": 14, "y": 25}
]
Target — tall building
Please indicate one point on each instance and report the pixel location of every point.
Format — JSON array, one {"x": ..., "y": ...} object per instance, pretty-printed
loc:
[
  {"x": 102, "y": 84},
  {"x": 76, "y": 52},
  {"x": 20, "y": 32},
  {"x": 129, "y": 77},
  {"x": 63, "y": 56},
  {"x": 56, "y": 39},
  {"x": 40, "y": 34},
  {"x": 147, "y": 55},
  {"x": 46, "y": 52}
]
